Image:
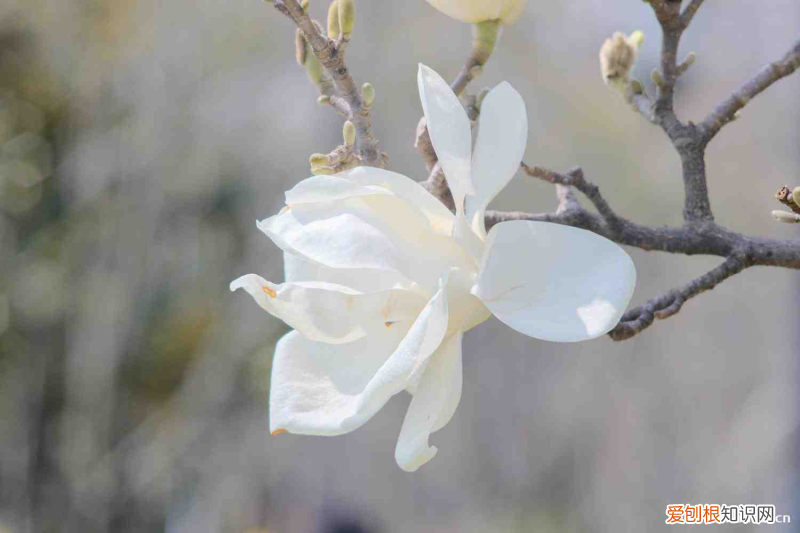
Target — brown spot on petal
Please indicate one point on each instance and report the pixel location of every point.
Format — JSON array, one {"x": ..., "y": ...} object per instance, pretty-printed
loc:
[
  {"x": 388, "y": 324},
  {"x": 278, "y": 431},
  {"x": 270, "y": 292}
]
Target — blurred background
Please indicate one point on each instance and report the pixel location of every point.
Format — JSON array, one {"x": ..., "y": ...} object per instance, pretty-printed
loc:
[{"x": 139, "y": 142}]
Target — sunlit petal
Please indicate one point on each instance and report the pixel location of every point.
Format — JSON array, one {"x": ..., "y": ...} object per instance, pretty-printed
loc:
[{"x": 554, "y": 282}]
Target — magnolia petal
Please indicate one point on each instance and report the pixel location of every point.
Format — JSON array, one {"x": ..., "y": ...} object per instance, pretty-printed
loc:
[
  {"x": 298, "y": 268},
  {"x": 330, "y": 313},
  {"x": 554, "y": 282},
  {"x": 455, "y": 384},
  {"x": 325, "y": 389},
  {"x": 434, "y": 403},
  {"x": 438, "y": 215},
  {"x": 508, "y": 11},
  {"x": 448, "y": 126},
  {"x": 328, "y": 189},
  {"x": 385, "y": 233},
  {"x": 499, "y": 148}
]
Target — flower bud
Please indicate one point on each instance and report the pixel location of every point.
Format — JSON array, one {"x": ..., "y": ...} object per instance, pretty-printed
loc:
[
  {"x": 617, "y": 56},
  {"x": 657, "y": 78},
  {"x": 796, "y": 194},
  {"x": 300, "y": 49},
  {"x": 347, "y": 16},
  {"x": 324, "y": 100},
  {"x": 368, "y": 94},
  {"x": 318, "y": 159},
  {"x": 349, "y": 133},
  {"x": 474, "y": 11},
  {"x": 787, "y": 217},
  {"x": 304, "y": 6},
  {"x": 313, "y": 68},
  {"x": 333, "y": 20}
]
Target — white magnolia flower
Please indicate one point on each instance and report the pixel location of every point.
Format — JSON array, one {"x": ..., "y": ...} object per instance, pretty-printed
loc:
[
  {"x": 382, "y": 280},
  {"x": 473, "y": 11}
]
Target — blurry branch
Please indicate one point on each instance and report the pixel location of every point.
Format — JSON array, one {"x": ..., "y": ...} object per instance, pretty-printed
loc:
[
  {"x": 331, "y": 54},
  {"x": 727, "y": 110},
  {"x": 699, "y": 233},
  {"x": 639, "y": 318}
]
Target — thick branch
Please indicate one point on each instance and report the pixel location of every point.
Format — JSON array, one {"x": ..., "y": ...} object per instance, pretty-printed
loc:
[
  {"x": 726, "y": 111},
  {"x": 640, "y": 318},
  {"x": 331, "y": 55}
]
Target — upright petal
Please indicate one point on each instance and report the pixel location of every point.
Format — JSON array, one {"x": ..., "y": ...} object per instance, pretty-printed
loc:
[
  {"x": 448, "y": 126},
  {"x": 325, "y": 389},
  {"x": 434, "y": 403},
  {"x": 499, "y": 148},
  {"x": 319, "y": 189},
  {"x": 554, "y": 282},
  {"x": 330, "y": 313}
]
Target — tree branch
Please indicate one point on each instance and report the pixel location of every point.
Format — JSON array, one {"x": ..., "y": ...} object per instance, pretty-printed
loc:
[
  {"x": 726, "y": 111},
  {"x": 331, "y": 54},
  {"x": 640, "y": 318}
]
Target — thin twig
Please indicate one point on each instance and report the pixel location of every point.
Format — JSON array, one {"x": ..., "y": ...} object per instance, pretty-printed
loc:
[
  {"x": 639, "y": 318},
  {"x": 690, "y": 11},
  {"x": 331, "y": 54},
  {"x": 726, "y": 111}
]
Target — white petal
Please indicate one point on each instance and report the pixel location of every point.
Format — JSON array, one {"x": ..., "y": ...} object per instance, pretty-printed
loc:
[
  {"x": 438, "y": 215},
  {"x": 508, "y": 11},
  {"x": 554, "y": 282},
  {"x": 434, "y": 403},
  {"x": 328, "y": 189},
  {"x": 330, "y": 313},
  {"x": 448, "y": 126},
  {"x": 297, "y": 268},
  {"x": 386, "y": 233},
  {"x": 499, "y": 148},
  {"x": 324, "y": 389}
]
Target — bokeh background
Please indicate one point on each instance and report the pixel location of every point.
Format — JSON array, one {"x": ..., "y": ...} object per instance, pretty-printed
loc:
[{"x": 140, "y": 141}]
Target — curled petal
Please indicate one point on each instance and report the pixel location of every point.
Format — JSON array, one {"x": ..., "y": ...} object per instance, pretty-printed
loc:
[
  {"x": 554, "y": 282},
  {"x": 434, "y": 403},
  {"x": 330, "y": 313},
  {"x": 329, "y": 189},
  {"x": 438, "y": 215},
  {"x": 499, "y": 148},
  {"x": 385, "y": 233},
  {"x": 325, "y": 389},
  {"x": 448, "y": 126},
  {"x": 298, "y": 268}
]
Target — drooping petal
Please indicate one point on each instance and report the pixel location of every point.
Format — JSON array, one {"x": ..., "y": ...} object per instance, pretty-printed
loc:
[
  {"x": 554, "y": 282},
  {"x": 386, "y": 233},
  {"x": 434, "y": 403},
  {"x": 502, "y": 136},
  {"x": 330, "y": 313},
  {"x": 448, "y": 126},
  {"x": 438, "y": 215},
  {"x": 325, "y": 389}
]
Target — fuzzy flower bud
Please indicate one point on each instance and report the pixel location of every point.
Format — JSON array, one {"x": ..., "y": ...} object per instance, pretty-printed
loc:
[
  {"x": 347, "y": 16},
  {"x": 333, "y": 20},
  {"x": 349, "y": 133},
  {"x": 617, "y": 56},
  {"x": 368, "y": 94},
  {"x": 787, "y": 217}
]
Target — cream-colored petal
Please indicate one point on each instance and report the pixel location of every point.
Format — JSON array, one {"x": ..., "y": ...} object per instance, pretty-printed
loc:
[
  {"x": 324, "y": 389},
  {"x": 554, "y": 282},
  {"x": 330, "y": 313},
  {"x": 499, "y": 148},
  {"x": 449, "y": 129},
  {"x": 433, "y": 405}
]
